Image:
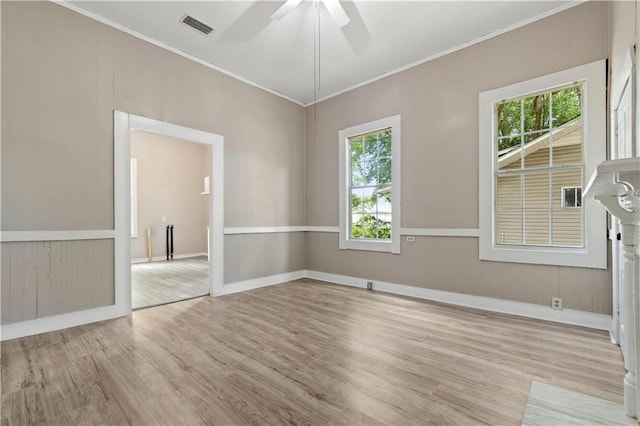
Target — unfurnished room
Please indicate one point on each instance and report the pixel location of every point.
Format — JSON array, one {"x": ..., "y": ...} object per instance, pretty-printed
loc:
[{"x": 320, "y": 212}]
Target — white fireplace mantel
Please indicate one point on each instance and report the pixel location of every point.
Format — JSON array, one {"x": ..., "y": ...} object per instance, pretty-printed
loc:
[{"x": 615, "y": 185}]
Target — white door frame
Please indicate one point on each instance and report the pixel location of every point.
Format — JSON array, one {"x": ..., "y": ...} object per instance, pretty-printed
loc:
[
  {"x": 123, "y": 124},
  {"x": 624, "y": 82}
]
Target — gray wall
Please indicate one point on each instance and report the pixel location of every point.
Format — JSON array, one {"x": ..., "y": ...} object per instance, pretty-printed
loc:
[
  {"x": 63, "y": 75},
  {"x": 170, "y": 179},
  {"x": 438, "y": 102}
]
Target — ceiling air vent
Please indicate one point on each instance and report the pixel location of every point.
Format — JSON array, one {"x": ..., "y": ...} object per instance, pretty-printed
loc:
[{"x": 194, "y": 23}]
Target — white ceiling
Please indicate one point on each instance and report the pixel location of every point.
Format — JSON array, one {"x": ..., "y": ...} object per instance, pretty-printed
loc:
[{"x": 279, "y": 55}]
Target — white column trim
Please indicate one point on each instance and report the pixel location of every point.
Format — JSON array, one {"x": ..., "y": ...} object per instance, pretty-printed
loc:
[{"x": 23, "y": 236}]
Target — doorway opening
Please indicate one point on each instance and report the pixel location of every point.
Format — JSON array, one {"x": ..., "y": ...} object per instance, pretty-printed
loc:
[
  {"x": 146, "y": 208},
  {"x": 169, "y": 219}
]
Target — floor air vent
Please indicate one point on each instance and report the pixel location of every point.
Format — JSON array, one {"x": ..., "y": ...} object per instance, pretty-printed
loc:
[{"x": 198, "y": 25}]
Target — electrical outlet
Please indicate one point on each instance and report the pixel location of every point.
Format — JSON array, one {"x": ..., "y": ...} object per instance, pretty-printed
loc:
[
  {"x": 369, "y": 285},
  {"x": 164, "y": 219},
  {"x": 411, "y": 238},
  {"x": 556, "y": 303}
]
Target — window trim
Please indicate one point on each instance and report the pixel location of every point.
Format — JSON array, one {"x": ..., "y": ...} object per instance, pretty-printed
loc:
[
  {"x": 347, "y": 243},
  {"x": 594, "y": 252},
  {"x": 563, "y": 198}
]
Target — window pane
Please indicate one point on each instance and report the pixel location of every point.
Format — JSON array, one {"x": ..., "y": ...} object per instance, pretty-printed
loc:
[
  {"x": 357, "y": 178},
  {"x": 384, "y": 170},
  {"x": 371, "y": 148},
  {"x": 357, "y": 201},
  {"x": 356, "y": 226},
  {"x": 536, "y": 112},
  {"x": 369, "y": 227},
  {"x": 384, "y": 201},
  {"x": 536, "y": 149},
  {"x": 567, "y": 228},
  {"x": 569, "y": 196},
  {"x": 536, "y": 228},
  {"x": 509, "y": 191},
  {"x": 370, "y": 200},
  {"x": 356, "y": 146},
  {"x": 364, "y": 174},
  {"x": 578, "y": 197},
  {"x": 509, "y": 153},
  {"x": 384, "y": 147},
  {"x": 566, "y": 105},
  {"x": 384, "y": 226},
  {"x": 564, "y": 179},
  {"x": 536, "y": 190},
  {"x": 567, "y": 146},
  {"x": 509, "y": 122},
  {"x": 509, "y": 227}
]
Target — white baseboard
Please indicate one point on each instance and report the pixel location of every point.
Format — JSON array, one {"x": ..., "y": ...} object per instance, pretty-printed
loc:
[
  {"x": 59, "y": 322},
  {"x": 240, "y": 286},
  {"x": 529, "y": 310},
  {"x": 161, "y": 258}
]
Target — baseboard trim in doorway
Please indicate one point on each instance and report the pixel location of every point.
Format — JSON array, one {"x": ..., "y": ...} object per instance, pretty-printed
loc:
[
  {"x": 252, "y": 284},
  {"x": 59, "y": 322},
  {"x": 161, "y": 258},
  {"x": 529, "y": 310}
]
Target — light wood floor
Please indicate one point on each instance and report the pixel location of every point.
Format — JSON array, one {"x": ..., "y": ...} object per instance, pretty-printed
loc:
[
  {"x": 156, "y": 283},
  {"x": 302, "y": 353}
]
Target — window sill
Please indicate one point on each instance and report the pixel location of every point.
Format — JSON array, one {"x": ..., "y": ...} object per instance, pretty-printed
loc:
[
  {"x": 557, "y": 256},
  {"x": 368, "y": 245}
]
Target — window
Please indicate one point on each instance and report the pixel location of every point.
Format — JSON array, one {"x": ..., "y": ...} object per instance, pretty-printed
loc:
[
  {"x": 133, "y": 190},
  {"x": 538, "y": 141},
  {"x": 571, "y": 197},
  {"x": 370, "y": 186}
]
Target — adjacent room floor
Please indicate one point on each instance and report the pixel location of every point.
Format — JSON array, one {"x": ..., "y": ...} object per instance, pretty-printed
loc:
[
  {"x": 306, "y": 353},
  {"x": 157, "y": 283}
]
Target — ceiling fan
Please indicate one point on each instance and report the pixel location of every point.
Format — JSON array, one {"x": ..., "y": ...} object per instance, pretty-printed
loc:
[{"x": 333, "y": 7}]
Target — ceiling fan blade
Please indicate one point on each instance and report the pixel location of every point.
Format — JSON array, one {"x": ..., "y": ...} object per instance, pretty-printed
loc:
[
  {"x": 337, "y": 12},
  {"x": 283, "y": 10}
]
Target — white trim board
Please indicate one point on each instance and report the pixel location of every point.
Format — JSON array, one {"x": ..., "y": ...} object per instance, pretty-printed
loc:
[
  {"x": 529, "y": 310},
  {"x": 16, "y": 236},
  {"x": 263, "y": 229},
  {"x": 59, "y": 322},
  {"x": 419, "y": 232},
  {"x": 441, "y": 232},
  {"x": 164, "y": 258},
  {"x": 241, "y": 286}
]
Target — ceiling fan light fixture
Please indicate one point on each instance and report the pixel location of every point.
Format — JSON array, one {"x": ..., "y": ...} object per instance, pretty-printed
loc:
[
  {"x": 284, "y": 10},
  {"x": 337, "y": 12}
]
